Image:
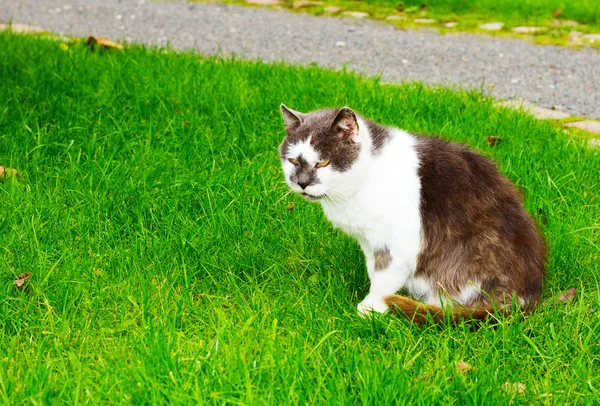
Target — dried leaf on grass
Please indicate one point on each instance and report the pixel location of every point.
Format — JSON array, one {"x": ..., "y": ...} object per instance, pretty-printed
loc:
[
  {"x": 6, "y": 173},
  {"x": 493, "y": 140},
  {"x": 463, "y": 367},
  {"x": 102, "y": 42},
  {"x": 21, "y": 282},
  {"x": 567, "y": 295},
  {"x": 290, "y": 206}
]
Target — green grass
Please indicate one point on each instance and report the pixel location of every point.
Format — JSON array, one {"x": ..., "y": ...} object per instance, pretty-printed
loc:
[
  {"x": 513, "y": 12},
  {"x": 550, "y": 15},
  {"x": 166, "y": 266}
]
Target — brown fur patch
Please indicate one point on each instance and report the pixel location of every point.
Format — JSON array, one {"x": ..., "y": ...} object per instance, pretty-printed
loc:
[
  {"x": 380, "y": 135},
  {"x": 383, "y": 259},
  {"x": 474, "y": 227}
]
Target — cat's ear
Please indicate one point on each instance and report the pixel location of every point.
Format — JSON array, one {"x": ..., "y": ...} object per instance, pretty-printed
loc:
[
  {"x": 291, "y": 118},
  {"x": 345, "y": 125}
]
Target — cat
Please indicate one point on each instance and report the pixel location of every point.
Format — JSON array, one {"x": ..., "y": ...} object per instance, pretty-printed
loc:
[{"x": 431, "y": 216}]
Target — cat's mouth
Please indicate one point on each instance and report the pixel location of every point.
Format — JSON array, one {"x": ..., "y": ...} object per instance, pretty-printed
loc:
[{"x": 312, "y": 198}]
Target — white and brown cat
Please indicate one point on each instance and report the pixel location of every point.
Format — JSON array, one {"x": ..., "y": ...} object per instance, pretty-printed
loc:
[{"x": 431, "y": 216}]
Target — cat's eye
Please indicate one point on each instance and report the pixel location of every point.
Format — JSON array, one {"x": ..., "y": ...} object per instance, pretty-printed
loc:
[
  {"x": 322, "y": 164},
  {"x": 293, "y": 160}
]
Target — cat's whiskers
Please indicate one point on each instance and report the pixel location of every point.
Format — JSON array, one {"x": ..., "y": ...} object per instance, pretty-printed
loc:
[
  {"x": 342, "y": 198},
  {"x": 336, "y": 200}
]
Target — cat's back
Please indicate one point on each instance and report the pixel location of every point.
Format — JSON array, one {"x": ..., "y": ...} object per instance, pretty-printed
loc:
[
  {"x": 468, "y": 206},
  {"x": 452, "y": 174}
]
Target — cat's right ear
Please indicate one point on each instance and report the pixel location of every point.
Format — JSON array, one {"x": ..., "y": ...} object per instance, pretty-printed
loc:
[
  {"x": 291, "y": 118},
  {"x": 345, "y": 125}
]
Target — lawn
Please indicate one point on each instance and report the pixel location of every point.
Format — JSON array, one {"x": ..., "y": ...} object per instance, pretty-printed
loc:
[
  {"x": 513, "y": 12},
  {"x": 558, "y": 22},
  {"x": 168, "y": 264}
]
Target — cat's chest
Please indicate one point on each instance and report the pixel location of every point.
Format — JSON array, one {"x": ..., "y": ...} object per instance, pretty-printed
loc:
[
  {"x": 355, "y": 219},
  {"x": 380, "y": 214}
]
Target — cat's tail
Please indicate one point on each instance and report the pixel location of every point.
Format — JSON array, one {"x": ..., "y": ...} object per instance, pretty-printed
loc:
[{"x": 418, "y": 312}]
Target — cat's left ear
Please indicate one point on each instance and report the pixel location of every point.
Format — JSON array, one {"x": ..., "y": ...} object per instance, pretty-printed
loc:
[{"x": 345, "y": 125}]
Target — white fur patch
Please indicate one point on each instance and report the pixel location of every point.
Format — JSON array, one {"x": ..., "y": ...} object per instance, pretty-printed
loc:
[
  {"x": 420, "y": 288},
  {"x": 468, "y": 294},
  {"x": 377, "y": 201},
  {"x": 305, "y": 150}
]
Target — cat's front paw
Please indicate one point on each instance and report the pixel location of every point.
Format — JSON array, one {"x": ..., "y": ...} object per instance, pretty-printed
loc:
[{"x": 371, "y": 305}]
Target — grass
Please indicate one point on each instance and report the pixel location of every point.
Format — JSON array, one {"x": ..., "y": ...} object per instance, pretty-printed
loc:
[
  {"x": 554, "y": 17},
  {"x": 513, "y": 12},
  {"x": 166, "y": 266}
]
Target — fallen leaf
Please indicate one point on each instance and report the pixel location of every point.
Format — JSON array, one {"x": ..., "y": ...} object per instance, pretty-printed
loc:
[
  {"x": 8, "y": 172},
  {"x": 103, "y": 42},
  {"x": 557, "y": 12},
  {"x": 290, "y": 206},
  {"x": 22, "y": 280},
  {"x": 64, "y": 46},
  {"x": 567, "y": 295},
  {"x": 491, "y": 85},
  {"x": 493, "y": 140},
  {"x": 463, "y": 367}
]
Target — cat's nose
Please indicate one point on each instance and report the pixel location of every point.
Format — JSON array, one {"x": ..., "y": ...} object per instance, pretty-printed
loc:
[{"x": 303, "y": 185}]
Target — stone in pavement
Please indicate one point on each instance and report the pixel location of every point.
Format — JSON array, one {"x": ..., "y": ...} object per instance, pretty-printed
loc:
[
  {"x": 492, "y": 26},
  {"x": 566, "y": 23},
  {"x": 396, "y": 18},
  {"x": 264, "y": 2},
  {"x": 538, "y": 112},
  {"x": 332, "y": 9},
  {"x": 21, "y": 28},
  {"x": 587, "y": 125},
  {"x": 592, "y": 37},
  {"x": 424, "y": 20},
  {"x": 528, "y": 29},
  {"x": 306, "y": 3},
  {"x": 356, "y": 14}
]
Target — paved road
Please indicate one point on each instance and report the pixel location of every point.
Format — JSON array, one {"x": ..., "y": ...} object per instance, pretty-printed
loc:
[{"x": 543, "y": 74}]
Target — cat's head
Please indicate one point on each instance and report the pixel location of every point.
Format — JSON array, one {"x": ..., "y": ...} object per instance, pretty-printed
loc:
[{"x": 319, "y": 148}]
